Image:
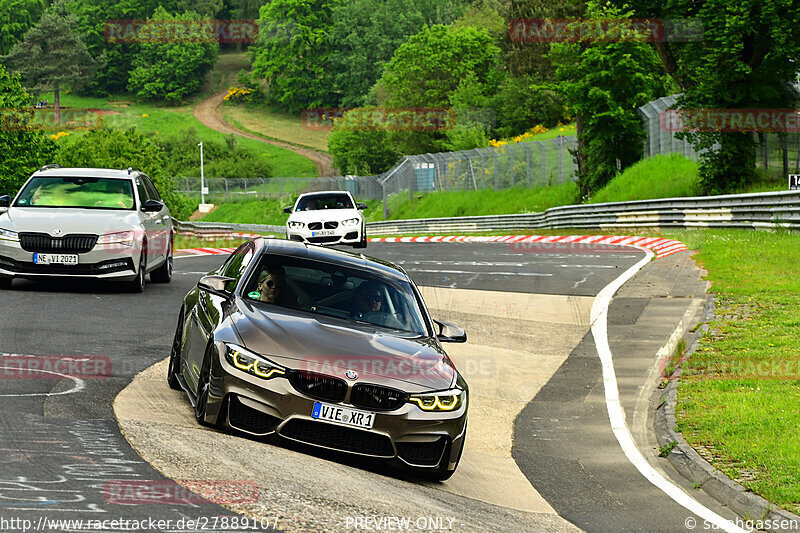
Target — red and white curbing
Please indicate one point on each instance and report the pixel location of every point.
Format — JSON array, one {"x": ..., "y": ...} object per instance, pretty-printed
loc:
[{"x": 661, "y": 247}]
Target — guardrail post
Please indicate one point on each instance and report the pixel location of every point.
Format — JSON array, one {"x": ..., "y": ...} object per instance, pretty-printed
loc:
[
  {"x": 483, "y": 169},
  {"x": 245, "y": 188}
]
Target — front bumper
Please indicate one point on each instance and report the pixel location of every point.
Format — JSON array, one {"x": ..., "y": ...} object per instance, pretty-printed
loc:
[
  {"x": 341, "y": 235},
  {"x": 418, "y": 439},
  {"x": 104, "y": 261}
]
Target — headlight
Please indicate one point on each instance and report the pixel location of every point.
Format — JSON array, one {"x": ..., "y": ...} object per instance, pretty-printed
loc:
[
  {"x": 351, "y": 222},
  {"x": 439, "y": 401},
  {"x": 120, "y": 237},
  {"x": 6, "y": 235},
  {"x": 296, "y": 225},
  {"x": 252, "y": 363}
]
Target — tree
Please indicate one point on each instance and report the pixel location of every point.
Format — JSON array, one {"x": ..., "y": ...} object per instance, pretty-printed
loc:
[
  {"x": 366, "y": 33},
  {"x": 360, "y": 151},
  {"x": 605, "y": 83},
  {"x": 171, "y": 71},
  {"x": 52, "y": 55},
  {"x": 24, "y": 150},
  {"x": 439, "y": 68},
  {"x": 293, "y": 52},
  {"x": 747, "y": 58},
  {"x": 118, "y": 148},
  {"x": 16, "y": 18}
]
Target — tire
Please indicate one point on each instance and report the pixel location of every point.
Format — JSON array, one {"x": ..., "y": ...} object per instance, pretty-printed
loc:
[
  {"x": 5, "y": 283},
  {"x": 203, "y": 386},
  {"x": 137, "y": 285},
  {"x": 174, "y": 357},
  {"x": 363, "y": 242},
  {"x": 163, "y": 274}
]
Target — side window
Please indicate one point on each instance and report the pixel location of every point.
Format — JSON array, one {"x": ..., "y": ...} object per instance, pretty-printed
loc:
[
  {"x": 237, "y": 264},
  {"x": 151, "y": 189},
  {"x": 143, "y": 196}
]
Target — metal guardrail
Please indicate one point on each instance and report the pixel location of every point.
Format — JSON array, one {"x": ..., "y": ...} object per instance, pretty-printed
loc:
[{"x": 749, "y": 211}]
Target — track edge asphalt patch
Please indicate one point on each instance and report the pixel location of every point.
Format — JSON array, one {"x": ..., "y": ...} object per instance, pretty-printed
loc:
[{"x": 691, "y": 465}]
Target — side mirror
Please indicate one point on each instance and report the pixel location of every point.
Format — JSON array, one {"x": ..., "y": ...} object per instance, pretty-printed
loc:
[
  {"x": 5, "y": 201},
  {"x": 215, "y": 285},
  {"x": 287, "y": 209},
  {"x": 152, "y": 206},
  {"x": 361, "y": 206},
  {"x": 450, "y": 333}
]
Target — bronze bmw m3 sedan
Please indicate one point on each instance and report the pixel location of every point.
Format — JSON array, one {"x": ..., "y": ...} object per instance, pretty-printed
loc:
[{"x": 324, "y": 347}]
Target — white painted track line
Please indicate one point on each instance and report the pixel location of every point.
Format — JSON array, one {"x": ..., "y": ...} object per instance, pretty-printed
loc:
[{"x": 617, "y": 417}]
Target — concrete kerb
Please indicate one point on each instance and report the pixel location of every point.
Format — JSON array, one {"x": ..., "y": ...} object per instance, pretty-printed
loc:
[{"x": 695, "y": 468}]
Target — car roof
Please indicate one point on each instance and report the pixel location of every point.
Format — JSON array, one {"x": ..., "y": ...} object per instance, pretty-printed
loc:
[
  {"x": 332, "y": 256},
  {"x": 87, "y": 173}
]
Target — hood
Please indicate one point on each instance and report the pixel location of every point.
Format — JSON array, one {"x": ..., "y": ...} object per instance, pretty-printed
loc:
[
  {"x": 68, "y": 220},
  {"x": 331, "y": 346},
  {"x": 325, "y": 215}
]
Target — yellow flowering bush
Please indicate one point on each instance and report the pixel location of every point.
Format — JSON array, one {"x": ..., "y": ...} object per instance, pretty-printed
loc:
[
  {"x": 238, "y": 94},
  {"x": 57, "y": 136}
]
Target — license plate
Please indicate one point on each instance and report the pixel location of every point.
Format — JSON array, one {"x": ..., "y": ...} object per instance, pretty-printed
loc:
[
  {"x": 322, "y": 233},
  {"x": 343, "y": 415},
  {"x": 55, "y": 259}
]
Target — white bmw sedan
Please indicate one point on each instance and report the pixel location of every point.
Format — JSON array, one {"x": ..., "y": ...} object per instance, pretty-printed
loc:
[{"x": 331, "y": 217}]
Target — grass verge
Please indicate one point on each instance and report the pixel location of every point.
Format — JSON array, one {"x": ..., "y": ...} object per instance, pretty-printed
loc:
[
  {"x": 276, "y": 126},
  {"x": 739, "y": 393}
]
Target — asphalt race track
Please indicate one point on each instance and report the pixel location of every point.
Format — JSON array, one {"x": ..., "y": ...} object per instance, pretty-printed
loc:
[{"x": 64, "y": 455}]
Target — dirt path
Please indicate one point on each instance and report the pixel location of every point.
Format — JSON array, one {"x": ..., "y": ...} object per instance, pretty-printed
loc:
[{"x": 209, "y": 112}]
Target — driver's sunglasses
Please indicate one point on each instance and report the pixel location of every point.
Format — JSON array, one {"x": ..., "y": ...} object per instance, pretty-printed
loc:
[
  {"x": 269, "y": 283},
  {"x": 372, "y": 297}
]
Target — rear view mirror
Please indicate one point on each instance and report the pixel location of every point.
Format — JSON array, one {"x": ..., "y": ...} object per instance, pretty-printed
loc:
[
  {"x": 287, "y": 209},
  {"x": 5, "y": 201},
  {"x": 152, "y": 206},
  {"x": 450, "y": 332},
  {"x": 361, "y": 206}
]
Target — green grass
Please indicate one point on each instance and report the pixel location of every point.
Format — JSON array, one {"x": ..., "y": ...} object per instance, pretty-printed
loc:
[
  {"x": 662, "y": 176},
  {"x": 276, "y": 125},
  {"x": 170, "y": 121},
  {"x": 740, "y": 390}
]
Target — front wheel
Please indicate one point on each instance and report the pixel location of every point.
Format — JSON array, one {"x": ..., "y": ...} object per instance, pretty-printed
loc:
[
  {"x": 203, "y": 387},
  {"x": 363, "y": 242},
  {"x": 138, "y": 284},
  {"x": 175, "y": 357},
  {"x": 164, "y": 273}
]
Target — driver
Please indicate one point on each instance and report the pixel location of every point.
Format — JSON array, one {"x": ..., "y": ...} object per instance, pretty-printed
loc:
[{"x": 368, "y": 299}]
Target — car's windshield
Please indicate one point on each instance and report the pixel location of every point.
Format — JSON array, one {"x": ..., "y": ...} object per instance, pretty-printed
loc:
[
  {"x": 317, "y": 201},
  {"x": 336, "y": 291},
  {"x": 96, "y": 193}
]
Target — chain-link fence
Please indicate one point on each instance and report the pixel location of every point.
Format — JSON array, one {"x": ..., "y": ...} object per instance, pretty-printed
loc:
[
  {"x": 238, "y": 189},
  {"x": 523, "y": 164},
  {"x": 777, "y": 154}
]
